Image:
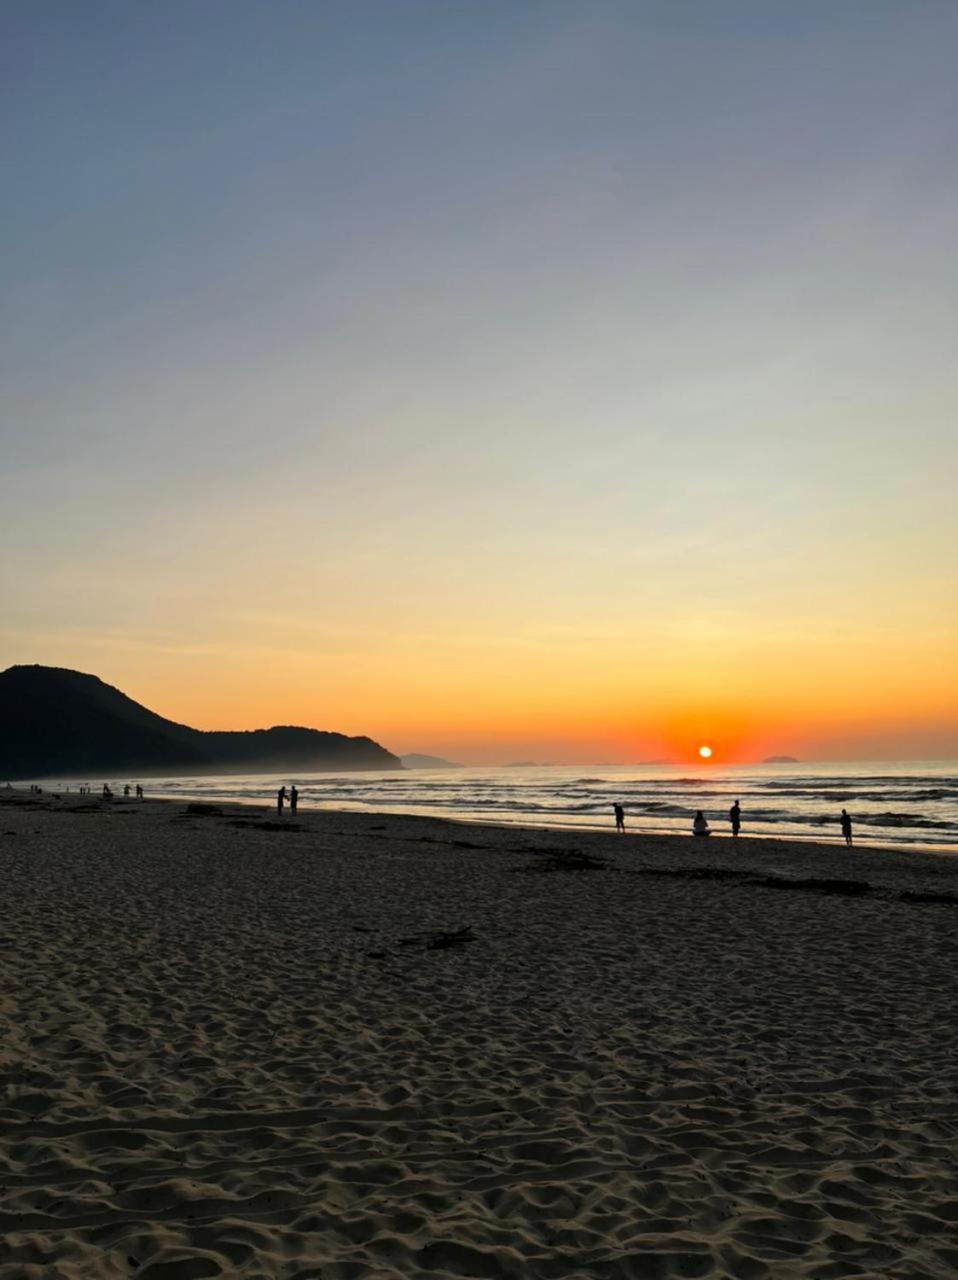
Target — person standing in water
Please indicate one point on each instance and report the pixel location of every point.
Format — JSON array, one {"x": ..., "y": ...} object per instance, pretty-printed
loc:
[
  {"x": 847, "y": 828},
  {"x": 280, "y": 799},
  {"x": 619, "y": 812},
  {"x": 735, "y": 817}
]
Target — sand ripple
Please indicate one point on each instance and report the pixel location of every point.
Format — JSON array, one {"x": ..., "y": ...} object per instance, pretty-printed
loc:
[{"x": 227, "y": 1054}]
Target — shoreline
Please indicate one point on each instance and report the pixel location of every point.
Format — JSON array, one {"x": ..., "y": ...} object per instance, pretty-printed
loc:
[
  {"x": 866, "y": 844},
  {"x": 749, "y": 855}
]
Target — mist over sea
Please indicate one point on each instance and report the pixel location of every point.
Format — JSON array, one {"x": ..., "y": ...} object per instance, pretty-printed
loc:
[{"x": 914, "y": 803}]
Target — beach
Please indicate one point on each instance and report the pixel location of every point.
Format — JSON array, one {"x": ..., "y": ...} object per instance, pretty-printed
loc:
[{"x": 348, "y": 1045}]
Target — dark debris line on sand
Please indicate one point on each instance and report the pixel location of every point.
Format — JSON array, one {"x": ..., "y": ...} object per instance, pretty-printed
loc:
[
  {"x": 552, "y": 859},
  {"x": 562, "y": 860}
]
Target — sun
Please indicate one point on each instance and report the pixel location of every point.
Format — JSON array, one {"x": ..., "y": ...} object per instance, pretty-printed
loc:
[{"x": 705, "y": 753}]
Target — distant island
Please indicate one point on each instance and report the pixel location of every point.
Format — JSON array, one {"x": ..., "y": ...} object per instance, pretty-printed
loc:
[
  {"x": 780, "y": 760},
  {"x": 416, "y": 760},
  {"x": 54, "y": 721}
]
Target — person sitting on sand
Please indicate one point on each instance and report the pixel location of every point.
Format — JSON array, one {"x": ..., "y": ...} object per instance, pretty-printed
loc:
[
  {"x": 735, "y": 817},
  {"x": 847, "y": 827},
  {"x": 280, "y": 800},
  {"x": 619, "y": 812},
  {"x": 700, "y": 827}
]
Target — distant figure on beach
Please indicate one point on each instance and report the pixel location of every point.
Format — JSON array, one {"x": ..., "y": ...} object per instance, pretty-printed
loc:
[
  {"x": 847, "y": 827},
  {"x": 280, "y": 800},
  {"x": 735, "y": 817},
  {"x": 139, "y": 792},
  {"x": 293, "y": 798},
  {"x": 126, "y": 791},
  {"x": 107, "y": 793},
  {"x": 619, "y": 818},
  {"x": 700, "y": 827}
]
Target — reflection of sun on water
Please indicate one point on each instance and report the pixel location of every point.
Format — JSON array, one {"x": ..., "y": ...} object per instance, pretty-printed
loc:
[{"x": 705, "y": 752}]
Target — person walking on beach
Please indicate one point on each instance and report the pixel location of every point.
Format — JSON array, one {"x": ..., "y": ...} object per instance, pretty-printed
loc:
[
  {"x": 847, "y": 828},
  {"x": 619, "y": 818},
  {"x": 735, "y": 817},
  {"x": 280, "y": 800},
  {"x": 293, "y": 798},
  {"x": 700, "y": 827}
]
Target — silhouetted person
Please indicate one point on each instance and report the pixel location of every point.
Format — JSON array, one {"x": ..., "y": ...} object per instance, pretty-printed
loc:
[
  {"x": 280, "y": 800},
  {"x": 700, "y": 827},
  {"x": 107, "y": 793},
  {"x": 126, "y": 791},
  {"x": 846, "y": 827},
  {"x": 619, "y": 818},
  {"x": 293, "y": 799},
  {"x": 735, "y": 817},
  {"x": 139, "y": 791}
]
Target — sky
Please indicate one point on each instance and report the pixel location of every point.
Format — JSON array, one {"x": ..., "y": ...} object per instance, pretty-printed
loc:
[{"x": 567, "y": 381}]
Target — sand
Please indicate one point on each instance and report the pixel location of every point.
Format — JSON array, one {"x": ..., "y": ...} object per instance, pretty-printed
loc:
[{"x": 232, "y": 1050}]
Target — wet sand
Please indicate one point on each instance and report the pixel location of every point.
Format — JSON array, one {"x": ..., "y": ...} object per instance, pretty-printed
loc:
[{"x": 383, "y": 1046}]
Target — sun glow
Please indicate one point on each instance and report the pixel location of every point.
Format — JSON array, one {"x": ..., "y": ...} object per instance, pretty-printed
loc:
[{"x": 705, "y": 753}]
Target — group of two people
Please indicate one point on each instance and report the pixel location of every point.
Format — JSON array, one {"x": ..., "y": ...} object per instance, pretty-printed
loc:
[
  {"x": 700, "y": 826},
  {"x": 282, "y": 796}
]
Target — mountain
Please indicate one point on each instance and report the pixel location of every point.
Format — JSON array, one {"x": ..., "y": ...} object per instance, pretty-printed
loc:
[
  {"x": 56, "y": 721},
  {"x": 416, "y": 760}
]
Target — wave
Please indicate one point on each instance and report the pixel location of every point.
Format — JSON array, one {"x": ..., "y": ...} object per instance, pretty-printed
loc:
[{"x": 905, "y": 820}]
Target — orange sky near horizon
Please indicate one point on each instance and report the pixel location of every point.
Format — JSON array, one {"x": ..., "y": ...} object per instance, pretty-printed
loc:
[{"x": 569, "y": 700}]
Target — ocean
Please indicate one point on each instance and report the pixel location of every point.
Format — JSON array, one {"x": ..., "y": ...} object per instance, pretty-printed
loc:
[{"x": 908, "y": 804}]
